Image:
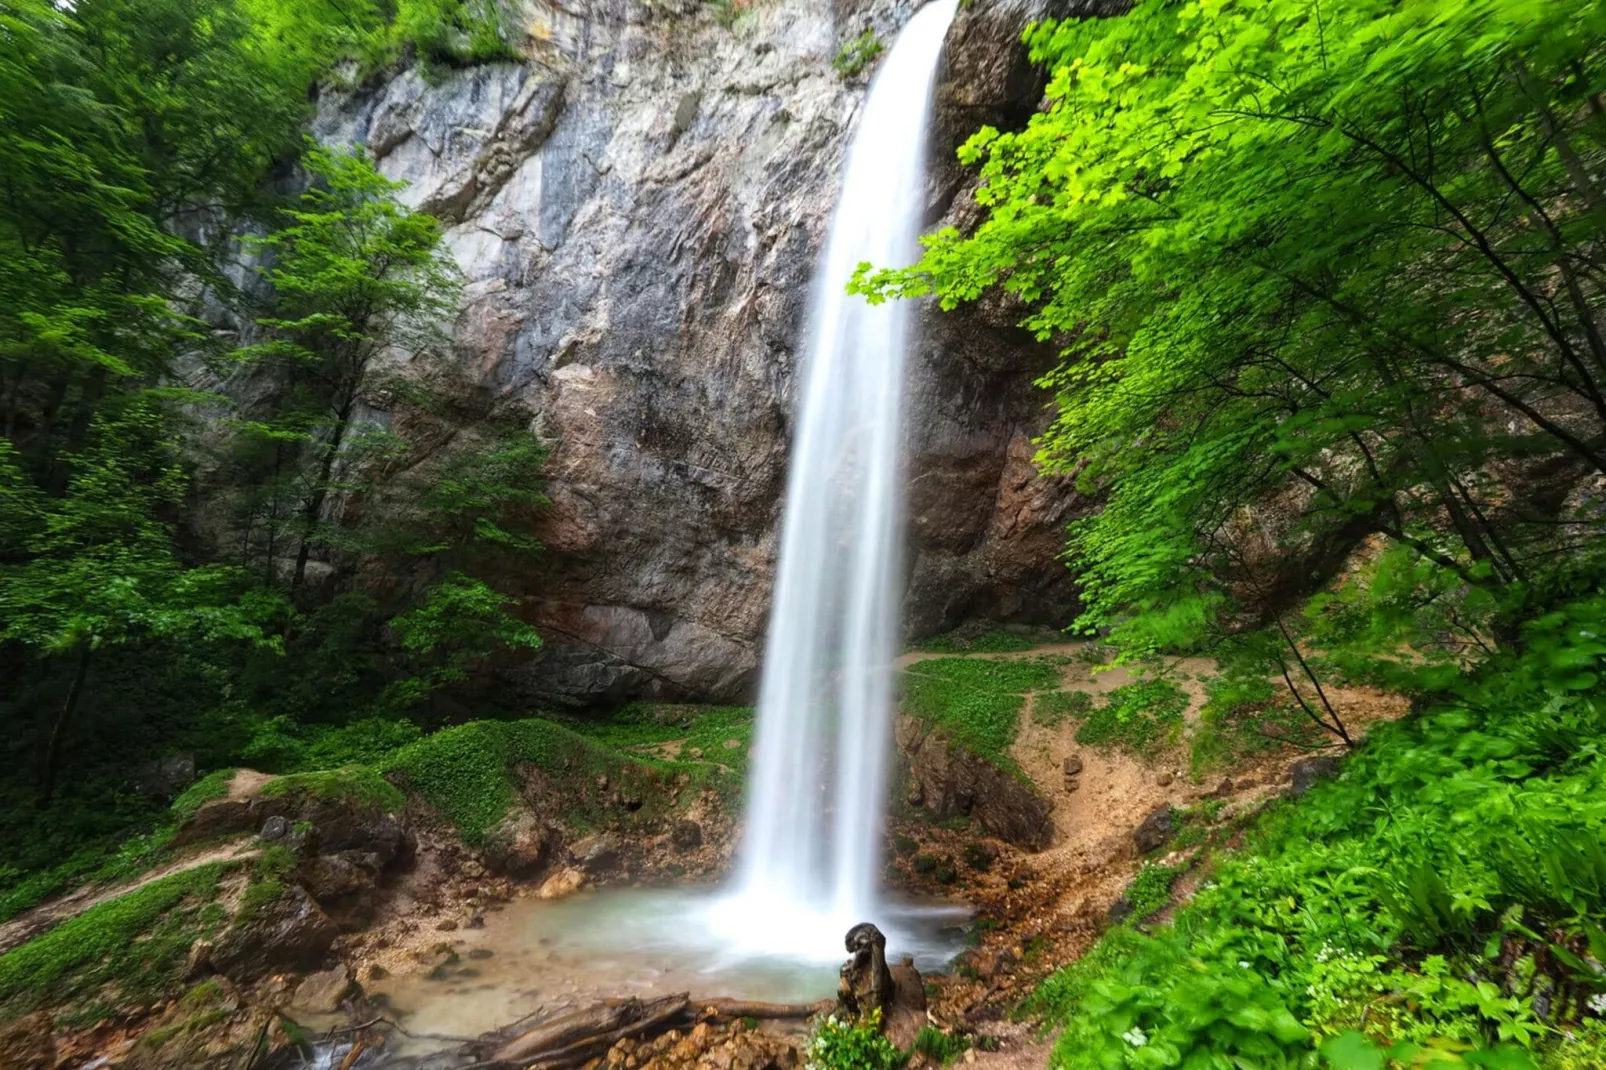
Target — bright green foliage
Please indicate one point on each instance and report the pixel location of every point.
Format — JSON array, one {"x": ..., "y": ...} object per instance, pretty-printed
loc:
[
  {"x": 138, "y": 942},
  {"x": 708, "y": 729},
  {"x": 1136, "y": 717},
  {"x": 852, "y": 58},
  {"x": 459, "y": 622},
  {"x": 1336, "y": 256},
  {"x": 1416, "y": 898},
  {"x": 1242, "y": 717},
  {"x": 1150, "y": 890},
  {"x": 976, "y": 702},
  {"x": 842, "y": 1045},
  {"x": 942, "y": 1047}
]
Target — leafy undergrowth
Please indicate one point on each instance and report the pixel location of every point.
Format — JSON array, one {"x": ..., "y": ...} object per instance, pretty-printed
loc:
[
  {"x": 356, "y": 783},
  {"x": 135, "y": 945},
  {"x": 1136, "y": 717},
  {"x": 1244, "y": 717},
  {"x": 977, "y": 702},
  {"x": 1447, "y": 894}
]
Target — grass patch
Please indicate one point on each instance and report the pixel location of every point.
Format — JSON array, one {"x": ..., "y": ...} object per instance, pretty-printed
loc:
[
  {"x": 1052, "y": 709},
  {"x": 213, "y": 785},
  {"x": 1136, "y": 717},
  {"x": 642, "y": 725},
  {"x": 976, "y": 702},
  {"x": 355, "y": 783},
  {"x": 138, "y": 942}
]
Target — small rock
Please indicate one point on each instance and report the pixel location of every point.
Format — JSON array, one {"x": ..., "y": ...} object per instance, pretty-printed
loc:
[
  {"x": 597, "y": 854},
  {"x": 474, "y": 918},
  {"x": 1155, "y": 830},
  {"x": 446, "y": 925},
  {"x": 1307, "y": 771},
  {"x": 732, "y": 744},
  {"x": 377, "y": 972},
  {"x": 563, "y": 883},
  {"x": 1164, "y": 778},
  {"x": 274, "y": 828},
  {"x": 917, "y": 794},
  {"x": 1074, "y": 765},
  {"x": 472, "y": 870},
  {"x": 199, "y": 961},
  {"x": 323, "y": 992},
  {"x": 1071, "y": 784},
  {"x": 687, "y": 835},
  {"x": 1119, "y": 911},
  {"x": 602, "y": 783},
  {"x": 1222, "y": 790}
]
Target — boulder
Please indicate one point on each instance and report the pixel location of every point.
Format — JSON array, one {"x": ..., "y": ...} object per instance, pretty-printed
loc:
[
  {"x": 28, "y": 1043},
  {"x": 324, "y": 991},
  {"x": 520, "y": 845},
  {"x": 274, "y": 828},
  {"x": 687, "y": 835},
  {"x": 1306, "y": 772},
  {"x": 597, "y": 854},
  {"x": 956, "y": 783},
  {"x": 345, "y": 885},
  {"x": 1155, "y": 830},
  {"x": 1074, "y": 765},
  {"x": 564, "y": 882},
  {"x": 288, "y": 933}
]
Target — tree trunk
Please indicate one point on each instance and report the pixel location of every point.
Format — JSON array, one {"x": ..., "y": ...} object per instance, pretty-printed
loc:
[
  {"x": 63, "y": 725},
  {"x": 320, "y": 493}
]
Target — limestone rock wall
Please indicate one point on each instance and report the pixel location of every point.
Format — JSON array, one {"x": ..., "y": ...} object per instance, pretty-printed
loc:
[{"x": 636, "y": 210}]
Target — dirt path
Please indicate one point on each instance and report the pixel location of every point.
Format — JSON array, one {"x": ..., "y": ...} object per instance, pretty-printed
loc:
[{"x": 36, "y": 921}]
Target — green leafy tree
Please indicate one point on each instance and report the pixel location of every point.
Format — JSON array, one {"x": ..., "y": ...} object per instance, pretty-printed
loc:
[
  {"x": 361, "y": 285},
  {"x": 96, "y": 567},
  {"x": 1339, "y": 259}
]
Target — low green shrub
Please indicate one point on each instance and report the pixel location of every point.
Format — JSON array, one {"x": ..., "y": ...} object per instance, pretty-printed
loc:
[
  {"x": 841, "y": 1045},
  {"x": 1136, "y": 717},
  {"x": 1427, "y": 899},
  {"x": 853, "y": 57},
  {"x": 942, "y": 1047}
]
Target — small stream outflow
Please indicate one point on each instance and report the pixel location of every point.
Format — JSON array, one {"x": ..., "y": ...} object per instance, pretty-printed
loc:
[{"x": 809, "y": 858}]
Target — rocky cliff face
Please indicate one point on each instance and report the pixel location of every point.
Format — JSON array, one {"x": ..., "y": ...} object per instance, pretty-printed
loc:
[{"x": 637, "y": 210}]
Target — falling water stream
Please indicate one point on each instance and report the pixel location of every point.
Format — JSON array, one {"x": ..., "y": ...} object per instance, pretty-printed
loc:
[
  {"x": 816, "y": 793},
  {"x": 809, "y": 859}
]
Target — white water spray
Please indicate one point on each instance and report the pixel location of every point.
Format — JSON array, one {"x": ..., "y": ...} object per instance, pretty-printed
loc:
[{"x": 817, "y": 789}]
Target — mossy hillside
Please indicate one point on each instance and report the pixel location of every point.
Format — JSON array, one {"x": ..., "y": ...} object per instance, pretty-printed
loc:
[
  {"x": 132, "y": 949},
  {"x": 976, "y": 702},
  {"x": 645, "y": 726},
  {"x": 467, "y": 774},
  {"x": 353, "y": 783}
]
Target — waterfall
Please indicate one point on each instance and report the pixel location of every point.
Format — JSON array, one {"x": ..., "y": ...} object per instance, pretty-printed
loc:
[{"x": 810, "y": 854}]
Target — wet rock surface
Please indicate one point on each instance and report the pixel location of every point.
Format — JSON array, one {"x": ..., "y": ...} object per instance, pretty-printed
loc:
[
  {"x": 637, "y": 210},
  {"x": 289, "y": 933},
  {"x": 955, "y": 783}
]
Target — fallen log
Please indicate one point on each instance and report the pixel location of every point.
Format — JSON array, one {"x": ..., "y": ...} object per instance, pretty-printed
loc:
[
  {"x": 570, "y": 1028},
  {"x": 729, "y": 1010},
  {"x": 675, "y": 1010}
]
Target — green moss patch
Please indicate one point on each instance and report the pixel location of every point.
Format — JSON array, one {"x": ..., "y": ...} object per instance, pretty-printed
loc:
[
  {"x": 466, "y": 773},
  {"x": 213, "y": 785},
  {"x": 976, "y": 702},
  {"x": 356, "y": 783},
  {"x": 137, "y": 942},
  {"x": 1137, "y": 717}
]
